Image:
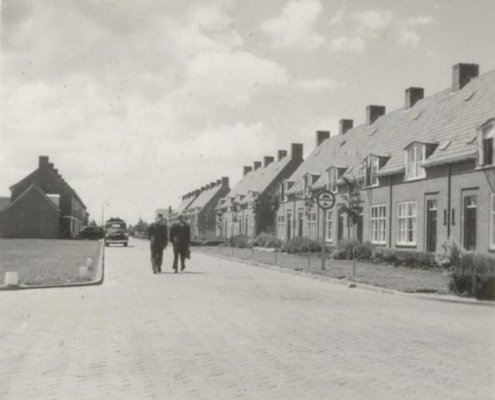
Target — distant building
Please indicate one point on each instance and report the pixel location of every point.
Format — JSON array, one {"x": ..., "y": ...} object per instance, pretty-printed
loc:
[
  {"x": 248, "y": 208},
  {"x": 201, "y": 212},
  {"x": 199, "y": 207},
  {"x": 163, "y": 213},
  {"x": 426, "y": 172},
  {"x": 42, "y": 205}
]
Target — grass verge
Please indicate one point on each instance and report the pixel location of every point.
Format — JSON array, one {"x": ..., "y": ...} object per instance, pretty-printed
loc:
[
  {"x": 48, "y": 262},
  {"x": 380, "y": 275}
]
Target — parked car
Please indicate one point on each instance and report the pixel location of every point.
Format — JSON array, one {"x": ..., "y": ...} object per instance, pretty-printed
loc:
[
  {"x": 116, "y": 232},
  {"x": 91, "y": 233}
]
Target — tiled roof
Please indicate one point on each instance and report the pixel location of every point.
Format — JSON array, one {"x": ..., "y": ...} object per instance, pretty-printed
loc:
[
  {"x": 260, "y": 179},
  {"x": 183, "y": 205},
  {"x": 4, "y": 202},
  {"x": 30, "y": 188},
  {"x": 204, "y": 197},
  {"x": 447, "y": 118}
]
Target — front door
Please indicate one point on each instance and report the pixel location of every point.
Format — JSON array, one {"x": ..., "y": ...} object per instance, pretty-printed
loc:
[
  {"x": 289, "y": 226},
  {"x": 340, "y": 225},
  {"x": 469, "y": 223},
  {"x": 431, "y": 225}
]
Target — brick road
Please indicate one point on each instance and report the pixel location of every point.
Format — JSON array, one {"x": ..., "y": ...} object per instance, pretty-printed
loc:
[{"x": 226, "y": 330}]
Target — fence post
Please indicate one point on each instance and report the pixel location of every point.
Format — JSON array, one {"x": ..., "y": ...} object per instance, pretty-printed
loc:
[
  {"x": 309, "y": 259},
  {"x": 276, "y": 253}
]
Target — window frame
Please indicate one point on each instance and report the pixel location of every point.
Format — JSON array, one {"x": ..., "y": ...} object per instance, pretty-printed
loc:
[
  {"x": 333, "y": 177},
  {"x": 406, "y": 218},
  {"x": 329, "y": 226},
  {"x": 492, "y": 222},
  {"x": 376, "y": 223},
  {"x": 413, "y": 163},
  {"x": 487, "y": 134}
]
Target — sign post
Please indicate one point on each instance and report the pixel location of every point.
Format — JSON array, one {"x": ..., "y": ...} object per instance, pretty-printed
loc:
[{"x": 325, "y": 200}]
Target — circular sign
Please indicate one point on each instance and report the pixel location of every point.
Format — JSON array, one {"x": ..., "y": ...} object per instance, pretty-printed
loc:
[{"x": 325, "y": 199}]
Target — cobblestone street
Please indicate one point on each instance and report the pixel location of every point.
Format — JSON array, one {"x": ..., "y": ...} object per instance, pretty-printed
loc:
[{"x": 226, "y": 330}]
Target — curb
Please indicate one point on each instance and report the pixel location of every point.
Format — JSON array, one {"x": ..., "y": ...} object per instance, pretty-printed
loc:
[
  {"x": 356, "y": 285},
  {"x": 99, "y": 278}
]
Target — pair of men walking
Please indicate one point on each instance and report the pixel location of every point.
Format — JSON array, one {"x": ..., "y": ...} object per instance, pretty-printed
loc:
[{"x": 180, "y": 236}]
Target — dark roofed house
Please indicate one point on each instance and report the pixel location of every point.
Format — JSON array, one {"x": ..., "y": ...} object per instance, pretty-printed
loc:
[
  {"x": 43, "y": 205},
  {"x": 426, "y": 172},
  {"x": 202, "y": 211},
  {"x": 247, "y": 209}
]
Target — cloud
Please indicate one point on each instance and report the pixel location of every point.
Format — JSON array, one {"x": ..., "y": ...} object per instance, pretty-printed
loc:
[
  {"x": 348, "y": 43},
  {"x": 295, "y": 27},
  {"x": 316, "y": 85},
  {"x": 374, "y": 20},
  {"x": 378, "y": 25}
]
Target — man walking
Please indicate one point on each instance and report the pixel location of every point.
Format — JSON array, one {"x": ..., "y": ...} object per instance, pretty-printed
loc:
[
  {"x": 158, "y": 236},
  {"x": 180, "y": 235}
]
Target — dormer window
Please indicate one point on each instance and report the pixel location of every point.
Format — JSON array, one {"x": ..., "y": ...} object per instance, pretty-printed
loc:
[
  {"x": 333, "y": 177},
  {"x": 486, "y": 142},
  {"x": 309, "y": 179},
  {"x": 415, "y": 155},
  {"x": 371, "y": 170}
]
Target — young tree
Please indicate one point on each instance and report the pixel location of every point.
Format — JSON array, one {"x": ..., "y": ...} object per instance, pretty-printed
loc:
[{"x": 352, "y": 208}]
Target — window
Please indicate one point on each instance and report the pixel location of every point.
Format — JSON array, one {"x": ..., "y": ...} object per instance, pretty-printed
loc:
[
  {"x": 470, "y": 221},
  {"x": 329, "y": 226},
  {"x": 486, "y": 143},
  {"x": 492, "y": 222},
  {"x": 406, "y": 223},
  {"x": 282, "y": 192},
  {"x": 280, "y": 226},
  {"x": 378, "y": 224},
  {"x": 415, "y": 155},
  {"x": 333, "y": 176},
  {"x": 312, "y": 230},
  {"x": 371, "y": 171}
]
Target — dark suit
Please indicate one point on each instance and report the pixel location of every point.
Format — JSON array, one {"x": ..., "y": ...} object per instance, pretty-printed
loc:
[
  {"x": 158, "y": 236},
  {"x": 180, "y": 236}
]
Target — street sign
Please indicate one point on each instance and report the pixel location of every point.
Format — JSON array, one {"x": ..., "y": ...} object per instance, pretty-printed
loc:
[{"x": 325, "y": 199}]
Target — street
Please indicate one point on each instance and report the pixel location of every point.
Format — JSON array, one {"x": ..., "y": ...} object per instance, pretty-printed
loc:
[{"x": 227, "y": 330}]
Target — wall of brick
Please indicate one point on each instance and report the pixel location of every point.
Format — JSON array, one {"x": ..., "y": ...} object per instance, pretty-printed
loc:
[
  {"x": 465, "y": 179},
  {"x": 30, "y": 217}
]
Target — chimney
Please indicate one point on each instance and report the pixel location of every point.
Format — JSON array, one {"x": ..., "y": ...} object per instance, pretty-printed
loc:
[
  {"x": 321, "y": 136},
  {"x": 462, "y": 74},
  {"x": 195, "y": 193},
  {"x": 203, "y": 188},
  {"x": 267, "y": 160},
  {"x": 225, "y": 181},
  {"x": 212, "y": 185},
  {"x": 219, "y": 182},
  {"x": 246, "y": 170},
  {"x": 296, "y": 151},
  {"x": 373, "y": 113},
  {"x": 43, "y": 161},
  {"x": 256, "y": 165},
  {"x": 413, "y": 95},
  {"x": 281, "y": 154},
  {"x": 345, "y": 125}
]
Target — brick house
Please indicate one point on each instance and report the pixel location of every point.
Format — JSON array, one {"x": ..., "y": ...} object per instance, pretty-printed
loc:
[
  {"x": 43, "y": 205},
  {"x": 248, "y": 208},
  {"x": 201, "y": 212},
  {"x": 426, "y": 172}
]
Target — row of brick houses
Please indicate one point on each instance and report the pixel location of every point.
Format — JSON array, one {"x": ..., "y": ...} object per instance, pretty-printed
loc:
[
  {"x": 42, "y": 205},
  {"x": 425, "y": 172},
  {"x": 199, "y": 206}
]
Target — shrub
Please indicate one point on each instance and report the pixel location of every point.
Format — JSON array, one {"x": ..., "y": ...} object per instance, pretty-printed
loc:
[
  {"x": 241, "y": 241},
  {"x": 412, "y": 259},
  {"x": 474, "y": 276},
  {"x": 301, "y": 245},
  {"x": 268, "y": 240},
  {"x": 448, "y": 255},
  {"x": 344, "y": 250}
]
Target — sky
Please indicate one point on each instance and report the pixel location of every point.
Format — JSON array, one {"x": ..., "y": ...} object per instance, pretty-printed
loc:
[{"x": 139, "y": 102}]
